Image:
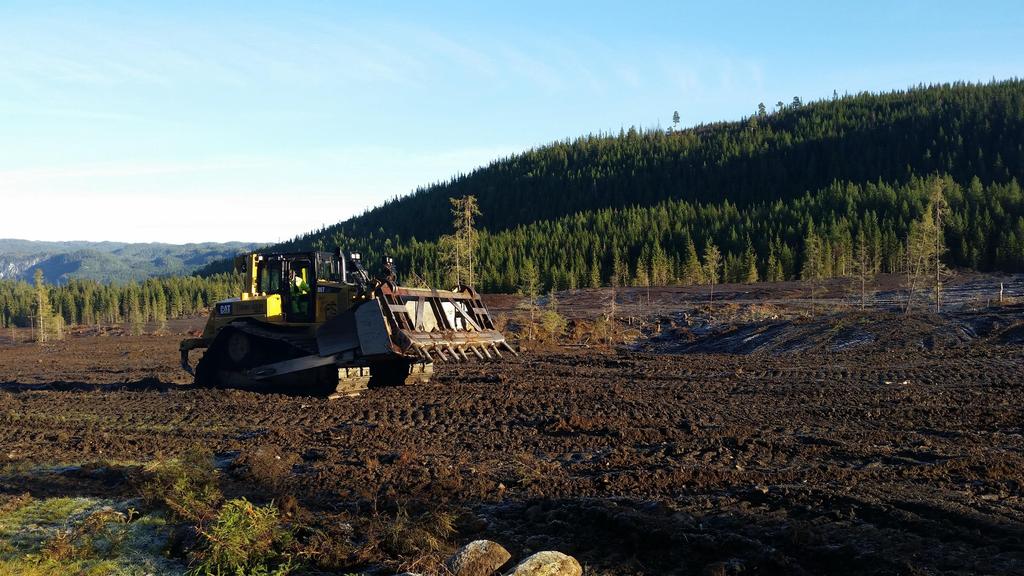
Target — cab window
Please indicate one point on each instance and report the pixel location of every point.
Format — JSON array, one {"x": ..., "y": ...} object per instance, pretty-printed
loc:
[{"x": 270, "y": 277}]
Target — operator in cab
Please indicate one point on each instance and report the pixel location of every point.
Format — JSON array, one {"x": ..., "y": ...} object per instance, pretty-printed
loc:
[{"x": 299, "y": 291}]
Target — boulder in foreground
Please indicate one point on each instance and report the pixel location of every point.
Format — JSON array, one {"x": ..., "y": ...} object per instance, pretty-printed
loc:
[
  {"x": 478, "y": 558},
  {"x": 548, "y": 563}
]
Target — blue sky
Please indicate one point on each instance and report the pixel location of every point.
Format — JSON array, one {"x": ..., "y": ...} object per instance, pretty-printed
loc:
[{"x": 203, "y": 121}]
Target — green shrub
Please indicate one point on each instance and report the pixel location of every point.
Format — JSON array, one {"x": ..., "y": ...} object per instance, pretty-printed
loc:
[
  {"x": 552, "y": 325},
  {"x": 245, "y": 540}
]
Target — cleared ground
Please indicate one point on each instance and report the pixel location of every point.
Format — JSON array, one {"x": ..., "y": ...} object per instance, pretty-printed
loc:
[{"x": 889, "y": 456}]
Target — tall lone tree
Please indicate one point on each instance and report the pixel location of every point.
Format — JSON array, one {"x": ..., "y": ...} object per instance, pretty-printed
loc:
[
  {"x": 43, "y": 312},
  {"x": 939, "y": 207},
  {"x": 465, "y": 210},
  {"x": 712, "y": 263},
  {"x": 863, "y": 269}
]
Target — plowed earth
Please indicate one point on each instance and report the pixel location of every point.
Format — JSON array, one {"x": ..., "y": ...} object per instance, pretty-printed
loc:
[{"x": 866, "y": 460}]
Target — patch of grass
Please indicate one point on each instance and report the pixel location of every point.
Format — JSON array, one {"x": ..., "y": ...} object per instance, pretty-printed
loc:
[
  {"x": 101, "y": 534},
  {"x": 78, "y": 536},
  {"x": 421, "y": 542},
  {"x": 27, "y": 524},
  {"x": 186, "y": 485},
  {"x": 34, "y": 566},
  {"x": 246, "y": 540}
]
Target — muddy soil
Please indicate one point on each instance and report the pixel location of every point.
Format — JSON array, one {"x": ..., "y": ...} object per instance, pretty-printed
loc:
[{"x": 861, "y": 460}]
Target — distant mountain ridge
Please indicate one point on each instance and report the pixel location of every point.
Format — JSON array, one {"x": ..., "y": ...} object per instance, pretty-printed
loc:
[{"x": 109, "y": 261}]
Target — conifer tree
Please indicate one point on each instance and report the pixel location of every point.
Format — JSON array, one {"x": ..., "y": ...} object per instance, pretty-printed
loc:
[
  {"x": 938, "y": 206},
  {"x": 692, "y": 274},
  {"x": 595, "y": 271},
  {"x": 43, "y": 313},
  {"x": 863, "y": 269},
  {"x": 749, "y": 263},
  {"x": 465, "y": 210},
  {"x": 712, "y": 264},
  {"x": 774, "y": 267}
]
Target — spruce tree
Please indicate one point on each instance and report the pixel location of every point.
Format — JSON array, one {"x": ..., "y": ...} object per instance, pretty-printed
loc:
[
  {"x": 43, "y": 313},
  {"x": 712, "y": 264}
]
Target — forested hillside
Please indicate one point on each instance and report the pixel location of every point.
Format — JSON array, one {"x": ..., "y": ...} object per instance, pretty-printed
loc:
[
  {"x": 781, "y": 192},
  {"x": 963, "y": 130}
]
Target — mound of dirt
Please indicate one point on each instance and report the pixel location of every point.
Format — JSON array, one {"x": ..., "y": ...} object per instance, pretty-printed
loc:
[{"x": 836, "y": 332}]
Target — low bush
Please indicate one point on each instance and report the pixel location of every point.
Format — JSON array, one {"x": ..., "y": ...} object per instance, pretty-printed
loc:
[{"x": 246, "y": 540}]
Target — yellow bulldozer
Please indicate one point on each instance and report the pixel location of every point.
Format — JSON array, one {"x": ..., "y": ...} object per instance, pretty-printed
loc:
[{"x": 317, "y": 322}]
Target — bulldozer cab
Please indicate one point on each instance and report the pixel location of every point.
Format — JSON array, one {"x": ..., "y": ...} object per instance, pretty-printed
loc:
[{"x": 297, "y": 278}]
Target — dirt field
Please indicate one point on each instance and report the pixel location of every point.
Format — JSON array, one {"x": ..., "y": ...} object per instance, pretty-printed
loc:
[{"x": 888, "y": 456}]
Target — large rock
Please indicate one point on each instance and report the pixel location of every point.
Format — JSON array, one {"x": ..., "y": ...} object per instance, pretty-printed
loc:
[
  {"x": 478, "y": 558},
  {"x": 548, "y": 564}
]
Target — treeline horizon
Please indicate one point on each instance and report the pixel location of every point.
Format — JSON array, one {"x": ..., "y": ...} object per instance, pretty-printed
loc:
[{"x": 89, "y": 302}]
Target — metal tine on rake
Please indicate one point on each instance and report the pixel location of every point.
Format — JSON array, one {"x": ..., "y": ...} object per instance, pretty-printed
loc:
[{"x": 441, "y": 354}]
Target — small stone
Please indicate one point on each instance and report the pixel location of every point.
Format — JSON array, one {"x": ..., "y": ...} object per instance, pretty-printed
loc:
[
  {"x": 548, "y": 563},
  {"x": 478, "y": 558}
]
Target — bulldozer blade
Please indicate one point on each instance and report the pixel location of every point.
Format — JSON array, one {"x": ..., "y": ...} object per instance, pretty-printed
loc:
[
  {"x": 443, "y": 321},
  {"x": 416, "y": 323}
]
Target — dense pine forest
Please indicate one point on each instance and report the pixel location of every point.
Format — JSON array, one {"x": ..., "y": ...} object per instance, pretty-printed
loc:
[
  {"x": 783, "y": 194},
  {"x": 91, "y": 302}
]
